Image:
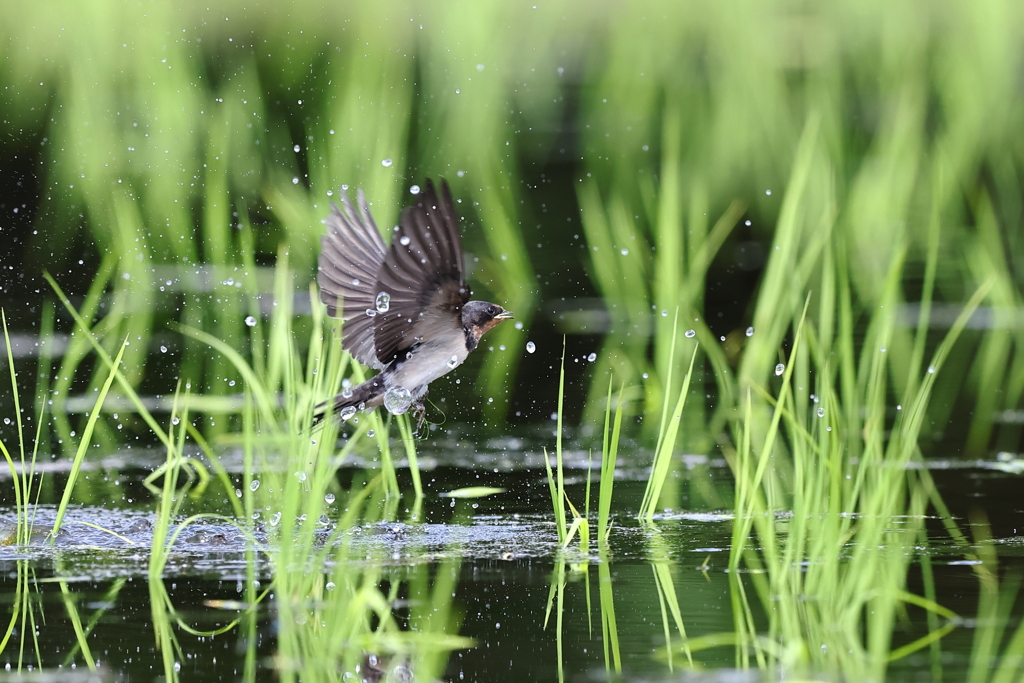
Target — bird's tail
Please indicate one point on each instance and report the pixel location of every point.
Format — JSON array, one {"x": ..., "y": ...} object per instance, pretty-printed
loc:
[{"x": 365, "y": 396}]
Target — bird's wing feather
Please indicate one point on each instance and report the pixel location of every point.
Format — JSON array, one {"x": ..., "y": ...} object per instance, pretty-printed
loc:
[
  {"x": 422, "y": 273},
  {"x": 351, "y": 255}
]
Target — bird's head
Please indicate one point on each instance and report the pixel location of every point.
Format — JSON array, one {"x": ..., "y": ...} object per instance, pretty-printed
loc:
[{"x": 480, "y": 316}]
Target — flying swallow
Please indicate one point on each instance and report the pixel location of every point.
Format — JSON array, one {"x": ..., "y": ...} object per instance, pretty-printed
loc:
[{"x": 406, "y": 309}]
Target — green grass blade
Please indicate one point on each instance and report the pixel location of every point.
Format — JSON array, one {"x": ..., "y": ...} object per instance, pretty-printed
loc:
[
  {"x": 105, "y": 357},
  {"x": 663, "y": 457},
  {"x": 86, "y": 441}
]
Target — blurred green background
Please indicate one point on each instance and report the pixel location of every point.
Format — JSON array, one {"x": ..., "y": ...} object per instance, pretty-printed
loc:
[{"x": 614, "y": 161}]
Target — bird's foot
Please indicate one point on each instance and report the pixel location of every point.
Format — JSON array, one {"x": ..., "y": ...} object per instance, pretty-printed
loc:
[{"x": 421, "y": 417}]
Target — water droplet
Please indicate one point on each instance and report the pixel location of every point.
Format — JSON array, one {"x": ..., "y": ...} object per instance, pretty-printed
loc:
[
  {"x": 324, "y": 520},
  {"x": 664, "y": 314},
  {"x": 592, "y": 357},
  {"x": 404, "y": 240},
  {"x": 329, "y": 498},
  {"x": 721, "y": 339},
  {"x": 530, "y": 347},
  {"x": 779, "y": 369},
  {"x": 397, "y": 400},
  {"x": 346, "y": 392},
  {"x": 690, "y": 334},
  {"x": 453, "y": 361},
  {"x": 415, "y": 189},
  {"x": 163, "y": 349},
  {"x": 821, "y": 412},
  {"x": 750, "y": 332},
  {"x": 174, "y": 421},
  {"x": 254, "y": 484},
  {"x": 347, "y": 413},
  {"x": 625, "y": 252},
  {"x": 386, "y": 163},
  {"x": 883, "y": 349},
  {"x": 383, "y": 302},
  {"x": 370, "y": 313},
  {"x": 250, "y": 321},
  {"x": 931, "y": 369},
  {"x": 329, "y": 585},
  {"x": 296, "y": 148},
  {"x": 301, "y": 476},
  {"x": 370, "y": 433}
]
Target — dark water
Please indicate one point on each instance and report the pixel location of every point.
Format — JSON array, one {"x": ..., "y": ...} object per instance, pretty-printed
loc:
[{"x": 507, "y": 558}]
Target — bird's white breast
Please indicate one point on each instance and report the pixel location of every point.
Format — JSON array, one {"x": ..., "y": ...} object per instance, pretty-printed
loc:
[{"x": 426, "y": 363}]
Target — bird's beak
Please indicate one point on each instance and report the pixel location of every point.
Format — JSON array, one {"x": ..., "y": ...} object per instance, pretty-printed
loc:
[{"x": 505, "y": 315}]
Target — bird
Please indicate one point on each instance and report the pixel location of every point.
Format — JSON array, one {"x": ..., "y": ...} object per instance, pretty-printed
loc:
[{"x": 405, "y": 308}]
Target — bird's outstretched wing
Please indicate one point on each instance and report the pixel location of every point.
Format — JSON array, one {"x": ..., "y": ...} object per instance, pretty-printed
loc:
[
  {"x": 421, "y": 276},
  {"x": 351, "y": 256}
]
